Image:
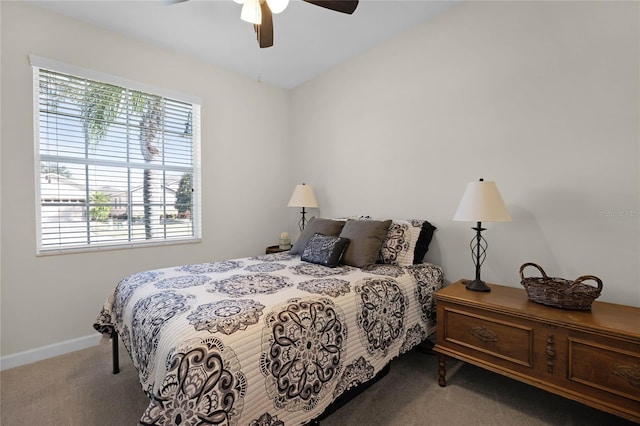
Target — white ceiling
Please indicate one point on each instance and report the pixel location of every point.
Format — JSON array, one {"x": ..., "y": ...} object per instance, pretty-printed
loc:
[{"x": 308, "y": 39}]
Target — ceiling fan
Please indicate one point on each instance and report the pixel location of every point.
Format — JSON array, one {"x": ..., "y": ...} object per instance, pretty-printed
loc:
[{"x": 260, "y": 14}]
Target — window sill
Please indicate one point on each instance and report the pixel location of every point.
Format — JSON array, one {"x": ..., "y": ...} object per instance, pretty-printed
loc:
[{"x": 75, "y": 250}]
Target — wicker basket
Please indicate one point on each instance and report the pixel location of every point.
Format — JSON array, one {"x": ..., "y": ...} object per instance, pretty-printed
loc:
[{"x": 559, "y": 292}]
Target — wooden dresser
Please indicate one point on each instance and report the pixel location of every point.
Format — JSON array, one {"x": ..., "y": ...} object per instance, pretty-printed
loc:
[{"x": 589, "y": 356}]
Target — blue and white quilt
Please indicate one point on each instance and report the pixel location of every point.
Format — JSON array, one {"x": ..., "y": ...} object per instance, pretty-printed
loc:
[{"x": 266, "y": 340}]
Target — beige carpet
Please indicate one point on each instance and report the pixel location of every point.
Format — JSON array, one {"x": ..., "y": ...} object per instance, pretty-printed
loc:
[{"x": 79, "y": 389}]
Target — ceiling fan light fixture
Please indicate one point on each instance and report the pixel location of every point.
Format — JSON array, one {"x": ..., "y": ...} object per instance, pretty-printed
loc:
[
  {"x": 251, "y": 12},
  {"x": 277, "y": 6}
]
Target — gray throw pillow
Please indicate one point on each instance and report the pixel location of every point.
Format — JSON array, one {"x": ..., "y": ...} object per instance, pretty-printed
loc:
[
  {"x": 366, "y": 238},
  {"x": 316, "y": 225}
]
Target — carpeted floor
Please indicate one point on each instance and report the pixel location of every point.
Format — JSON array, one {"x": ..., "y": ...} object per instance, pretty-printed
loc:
[{"x": 79, "y": 389}]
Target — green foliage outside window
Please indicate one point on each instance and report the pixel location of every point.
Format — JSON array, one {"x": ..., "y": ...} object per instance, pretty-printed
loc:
[
  {"x": 101, "y": 211},
  {"x": 183, "y": 196}
]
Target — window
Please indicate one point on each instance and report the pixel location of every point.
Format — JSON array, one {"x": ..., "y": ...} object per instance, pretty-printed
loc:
[{"x": 116, "y": 166}]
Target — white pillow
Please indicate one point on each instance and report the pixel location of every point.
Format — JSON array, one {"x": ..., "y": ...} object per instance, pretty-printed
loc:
[{"x": 399, "y": 246}]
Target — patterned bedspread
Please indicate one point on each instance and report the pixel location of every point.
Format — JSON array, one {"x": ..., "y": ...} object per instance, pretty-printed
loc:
[{"x": 267, "y": 340}]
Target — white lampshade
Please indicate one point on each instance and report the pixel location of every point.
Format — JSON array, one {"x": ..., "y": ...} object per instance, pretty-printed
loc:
[
  {"x": 482, "y": 202},
  {"x": 303, "y": 196},
  {"x": 239, "y": 1},
  {"x": 251, "y": 12},
  {"x": 277, "y": 6}
]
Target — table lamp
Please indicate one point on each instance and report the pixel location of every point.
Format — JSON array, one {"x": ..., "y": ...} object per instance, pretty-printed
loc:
[
  {"x": 481, "y": 202},
  {"x": 304, "y": 197}
]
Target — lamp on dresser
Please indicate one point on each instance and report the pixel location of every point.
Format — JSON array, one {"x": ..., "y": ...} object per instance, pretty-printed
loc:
[
  {"x": 304, "y": 197},
  {"x": 481, "y": 202}
]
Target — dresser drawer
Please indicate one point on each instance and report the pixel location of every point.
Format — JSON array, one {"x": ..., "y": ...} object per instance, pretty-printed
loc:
[
  {"x": 489, "y": 336},
  {"x": 605, "y": 366}
]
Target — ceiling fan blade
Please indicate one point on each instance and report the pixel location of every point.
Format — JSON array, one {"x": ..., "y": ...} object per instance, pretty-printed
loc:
[
  {"x": 344, "y": 6},
  {"x": 264, "y": 31}
]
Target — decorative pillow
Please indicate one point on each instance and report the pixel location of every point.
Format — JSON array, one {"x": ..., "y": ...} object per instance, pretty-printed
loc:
[
  {"x": 316, "y": 225},
  {"x": 399, "y": 245},
  {"x": 324, "y": 250},
  {"x": 406, "y": 242},
  {"x": 355, "y": 217},
  {"x": 366, "y": 238},
  {"x": 422, "y": 245}
]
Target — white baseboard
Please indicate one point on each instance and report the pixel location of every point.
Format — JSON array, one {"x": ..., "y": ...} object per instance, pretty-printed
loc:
[{"x": 49, "y": 351}]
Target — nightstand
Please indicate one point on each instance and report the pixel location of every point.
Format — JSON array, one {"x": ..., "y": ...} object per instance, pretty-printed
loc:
[
  {"x": 589, "y": 356},
  {"x": 275, "y": 249}
]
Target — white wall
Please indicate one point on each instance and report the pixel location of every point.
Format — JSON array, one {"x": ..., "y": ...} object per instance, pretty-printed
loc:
[
  {"x": 52, "y": 299},
  {"x": 542, "y": 97}
]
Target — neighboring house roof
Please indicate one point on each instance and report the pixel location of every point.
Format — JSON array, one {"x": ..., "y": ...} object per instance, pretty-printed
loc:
[
  {"x": 118, "y": 192},
  {"x": 54, "y": 187}
]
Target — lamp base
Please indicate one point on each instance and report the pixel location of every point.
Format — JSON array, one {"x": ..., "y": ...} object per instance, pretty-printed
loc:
[{"x": 477, "y": 285}]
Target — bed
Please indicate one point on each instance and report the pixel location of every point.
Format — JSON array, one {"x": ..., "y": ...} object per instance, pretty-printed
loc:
[{"x": 271, "y": 339}]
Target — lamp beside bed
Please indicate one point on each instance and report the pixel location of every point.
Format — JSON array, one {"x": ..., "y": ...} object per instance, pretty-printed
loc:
[{"x": 304, "y": 197}]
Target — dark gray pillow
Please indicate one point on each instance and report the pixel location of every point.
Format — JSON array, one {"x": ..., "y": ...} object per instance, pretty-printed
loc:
[
  {"x": 366, "y": 238},
  {"x": 316, "y": 225},
  {"x": 324, "y": 250}
]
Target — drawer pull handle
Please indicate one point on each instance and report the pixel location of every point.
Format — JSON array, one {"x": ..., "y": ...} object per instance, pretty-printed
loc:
[
  {"x": 631, "y": 373},
  {"x": 484, "y": 334}
]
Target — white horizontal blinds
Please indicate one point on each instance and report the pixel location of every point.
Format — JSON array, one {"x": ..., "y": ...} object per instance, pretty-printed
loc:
[{"x": 116, "y": 165}]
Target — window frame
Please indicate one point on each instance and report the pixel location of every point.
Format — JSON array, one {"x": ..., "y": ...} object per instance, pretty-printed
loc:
[{"x": 39, "y": 63}]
